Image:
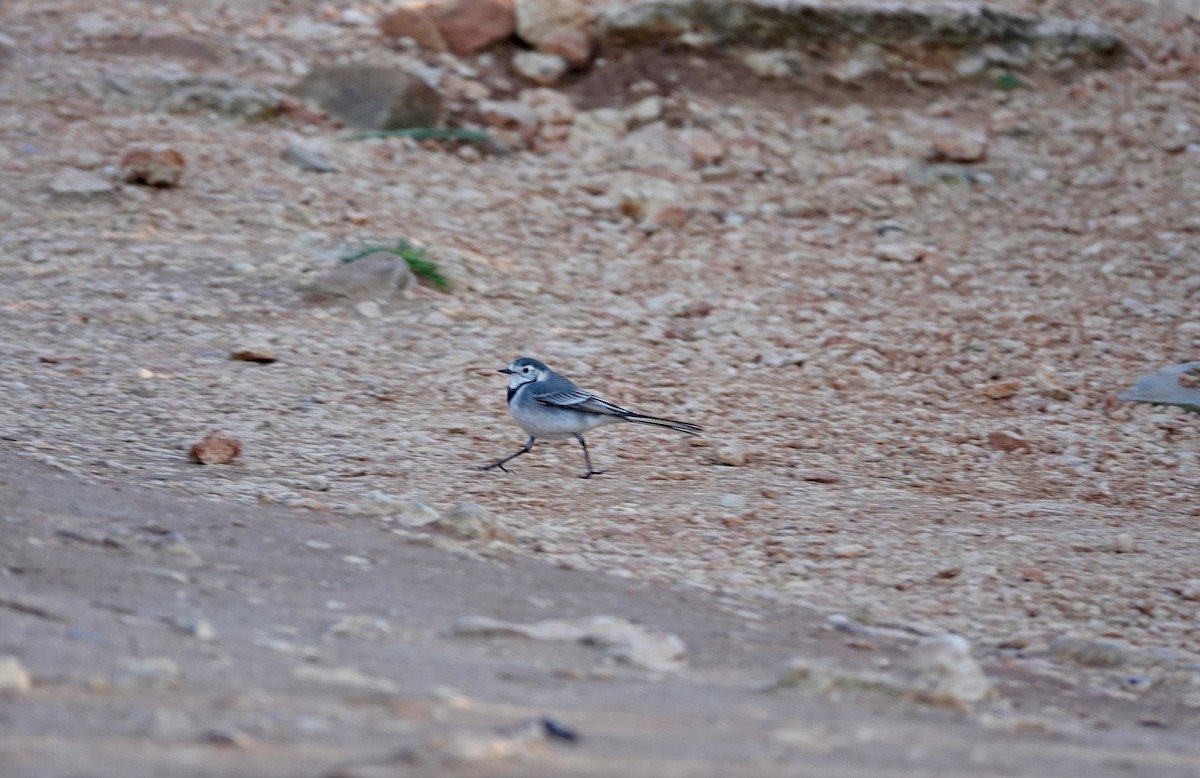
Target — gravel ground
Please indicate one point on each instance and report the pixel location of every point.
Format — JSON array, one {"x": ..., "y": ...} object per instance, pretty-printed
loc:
[{"x": 906, "y": 370}]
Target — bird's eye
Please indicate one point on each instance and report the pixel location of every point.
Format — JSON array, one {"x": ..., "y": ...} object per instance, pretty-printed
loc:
[{"x": 524, "y": 370}]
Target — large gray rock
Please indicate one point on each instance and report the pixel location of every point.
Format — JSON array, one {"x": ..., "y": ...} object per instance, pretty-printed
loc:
[
  {"x": 1178, "y": 385},
  {"x": 181, "y": 93},
  {"x": 469, "y": 521},
  {"x": 73, "y": 182},
  {"x": 373, "y": 97},
  {"x": 377, "y": 276},
  {"x": 630, "y": 643},
  {"x": 1090, "y": 652},
  {"x": 221, "y": 96},
  {"x": 947, "y": 671},
  {"x": 775, "y": 24}
]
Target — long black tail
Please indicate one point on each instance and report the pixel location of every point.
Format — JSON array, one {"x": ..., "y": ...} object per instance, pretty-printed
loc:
[{"x": 686, "y": 427}]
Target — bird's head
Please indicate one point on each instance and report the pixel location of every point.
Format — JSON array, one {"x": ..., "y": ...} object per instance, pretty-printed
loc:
[{"x": 525, "y": 370}]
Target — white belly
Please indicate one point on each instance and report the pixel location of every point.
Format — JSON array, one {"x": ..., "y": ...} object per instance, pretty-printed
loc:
[{"x": 550, "y": 423}]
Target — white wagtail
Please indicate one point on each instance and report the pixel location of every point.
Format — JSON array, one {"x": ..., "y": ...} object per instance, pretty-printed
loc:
[{"x": 547, "y": 405}]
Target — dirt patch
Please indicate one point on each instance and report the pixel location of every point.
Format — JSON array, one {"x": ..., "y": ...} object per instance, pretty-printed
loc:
[
  {"x": 723, "y": 79},
  {"x": 169, "y": 46},
  {"x": 163, "y": 634}
]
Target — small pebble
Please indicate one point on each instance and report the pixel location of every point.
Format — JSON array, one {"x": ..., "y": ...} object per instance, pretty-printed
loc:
[
  {"x": 732, "y": 501},
  {"x": 216, "y": 448},
  {"x": 250, "y": 354},
  {"x": 1124, "y": 543},
  {"x": 1090, "y": 653},
  {"x": 731, "y": 454},
  {"x": 819, "y": 476},
  {"x": 14, "y": 678},
  {"x": 1002, "y": 440},
  {"x": 197, "y": 626},
  {"x": 307, "y": 159},
  {"x": 157, "y": 165},
  {"x": 1000, "y": 389}
]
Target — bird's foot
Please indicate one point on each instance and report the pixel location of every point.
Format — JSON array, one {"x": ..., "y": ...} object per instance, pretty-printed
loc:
[
  {"x": 591, "y": 473},
  {"x": 494, "y": 466}
]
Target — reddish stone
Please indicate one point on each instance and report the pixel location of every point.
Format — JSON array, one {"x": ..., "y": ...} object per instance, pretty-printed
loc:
[
  {"x": 821, "y": 476},
  {"x": 957, "y": 144},
  {"x": 572, "y": 45},
  {"x": 413, "y": 22},
  {"x": 259, "y": 355},
  {"x": 1007, "y": 441},
  {"x": 702, "y": 145},
  {"x": 1000, "y": 389},
  {"x": 470, "y": 25},
  {"x": 157, "y": 165},
  {"x": 670, "y": 215},
  {"x": 216, "y": 448}
]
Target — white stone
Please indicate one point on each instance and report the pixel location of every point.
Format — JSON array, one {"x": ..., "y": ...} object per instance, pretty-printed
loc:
[
  {"x": 648, "y": 109},
  {"x": 73, "y": 181},
  {"x": 538, "y": 21},
  {"x": 867, "y": 59},
  {"x": 603, "y": 125},
  {"x": 14, "y": 678},
  {"x": 948, "y": 670},
  {"x": 541, "y": 69},
  {"x": 771, "y": 63},
  {"x": 628, "y": 642},
  {"x": 368, "y": 309}
]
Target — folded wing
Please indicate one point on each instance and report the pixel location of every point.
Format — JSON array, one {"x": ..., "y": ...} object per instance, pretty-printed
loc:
[
  {"x": 579, "y": 400},
  {"x": 560, "y": 392}
]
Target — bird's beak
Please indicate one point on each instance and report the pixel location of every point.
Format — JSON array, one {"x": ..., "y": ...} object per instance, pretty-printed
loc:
[{"x": 504, "y": 370}]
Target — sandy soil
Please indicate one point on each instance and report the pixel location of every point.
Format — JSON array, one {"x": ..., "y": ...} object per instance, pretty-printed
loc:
[
  {"x": 99, "y": 594},
  {"x": 844, "y": 316}
]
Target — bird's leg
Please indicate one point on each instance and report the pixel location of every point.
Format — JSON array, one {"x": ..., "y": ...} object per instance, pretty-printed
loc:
[
  {"x": 500, "y": 464},
  {"x": 586, "y": 458}
]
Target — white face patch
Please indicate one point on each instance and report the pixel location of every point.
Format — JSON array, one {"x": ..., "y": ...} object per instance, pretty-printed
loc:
[{"x": 521, "y": 375}]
